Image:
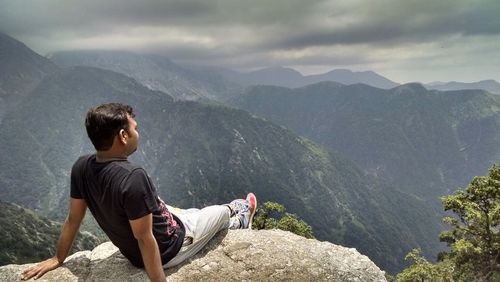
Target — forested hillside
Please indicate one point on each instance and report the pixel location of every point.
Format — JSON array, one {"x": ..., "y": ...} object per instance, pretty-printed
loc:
[
  {"x": 427, "y": 143},
  {"x": 27, "y": 237}
]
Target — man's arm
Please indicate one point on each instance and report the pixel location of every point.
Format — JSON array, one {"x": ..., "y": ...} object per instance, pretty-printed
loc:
[
  {"x": 77, "y": 208},
  {"x": 143, "y": 232}
]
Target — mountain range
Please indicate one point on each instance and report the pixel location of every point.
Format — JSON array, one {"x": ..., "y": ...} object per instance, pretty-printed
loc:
[
  {"x": 425, "y": 142},
  {"x": 193, "y": 83},
  {"x": 216, "y": 83},
  {"x": 199, "y": 154}
]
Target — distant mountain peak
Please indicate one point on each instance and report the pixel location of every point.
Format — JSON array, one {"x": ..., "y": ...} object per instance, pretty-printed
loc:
[
  {"x": 324, "y": 84},
  {"x": 6, "y": 40},
  {"x": 409, "y": 88},
  {"x": 291, "y": 78},
  {"x": 15, "y": 54},
  {"x": 348, "y": 77},
  {"x": 347, "y": 71},
  {"x": 277, "y": 71},
  {"x": 489, "y": 85},
  {"x": 21, "y": 69}
]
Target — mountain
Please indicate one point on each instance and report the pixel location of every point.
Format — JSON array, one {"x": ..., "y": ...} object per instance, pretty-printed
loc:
[
  {"x": 427, "y": 143},
  {"x": 287, "y": 77},
  {"x": 200, "y": 154},
  {"x": 268, "y": 76},
  {"x": 155, "y": 72},
  {"x": 20, "y": 70},
  {"x": 27, "y": 237},
  {"x": 349, "y": 77},
  {"x": 491, "y": 86}
]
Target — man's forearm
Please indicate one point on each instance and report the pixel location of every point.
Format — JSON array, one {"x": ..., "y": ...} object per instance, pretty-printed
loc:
[
  {"x": 77, "y": 208},
  {"x": 68, "y": 234},
  {"x": 151, "y": 258}
]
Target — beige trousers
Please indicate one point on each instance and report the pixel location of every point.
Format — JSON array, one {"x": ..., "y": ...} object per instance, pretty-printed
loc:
[{"x": 201, "y": 226}]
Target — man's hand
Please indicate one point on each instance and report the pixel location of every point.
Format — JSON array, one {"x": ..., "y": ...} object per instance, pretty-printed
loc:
[
  {"x": 40, "y": 269},
  {"x": 77, "y": 208}
]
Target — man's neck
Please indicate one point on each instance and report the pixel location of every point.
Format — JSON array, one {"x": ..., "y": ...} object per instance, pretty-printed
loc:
[{"x": 106, "y": 156}]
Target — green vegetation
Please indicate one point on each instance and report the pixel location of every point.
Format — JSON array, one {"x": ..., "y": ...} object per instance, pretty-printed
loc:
[
  {"x": 474, "y": 238},
  {"x": 26, "y": 237},
  {"x": 423, "y": 270},
  {"x": 272, "y": 215}
]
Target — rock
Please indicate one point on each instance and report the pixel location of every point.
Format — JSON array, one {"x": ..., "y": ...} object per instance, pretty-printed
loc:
[{"x": 235, "y": 255}]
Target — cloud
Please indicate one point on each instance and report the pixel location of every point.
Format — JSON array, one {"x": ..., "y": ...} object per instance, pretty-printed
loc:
[
  {"x": 251, "y": 34},
  {"x": 389, "y": 22}
]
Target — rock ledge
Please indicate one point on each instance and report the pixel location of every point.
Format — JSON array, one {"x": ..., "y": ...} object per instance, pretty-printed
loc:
[{"x": 236, "y": 255}]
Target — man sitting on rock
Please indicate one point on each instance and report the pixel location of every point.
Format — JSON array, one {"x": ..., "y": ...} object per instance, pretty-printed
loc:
[{"x": 124, "y": 201}]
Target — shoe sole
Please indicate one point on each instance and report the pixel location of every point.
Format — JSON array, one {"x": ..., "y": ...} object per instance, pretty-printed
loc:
[{"x": 252, "y": 200}]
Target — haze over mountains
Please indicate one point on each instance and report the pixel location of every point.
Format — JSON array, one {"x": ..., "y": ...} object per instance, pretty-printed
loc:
[
  {"x": 407, "y": 142},
  {"x": 155, "y": 72},
  {"x": 194, "y": 83}
]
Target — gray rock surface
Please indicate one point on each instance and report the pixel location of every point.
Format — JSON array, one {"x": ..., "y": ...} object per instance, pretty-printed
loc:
[{"x": 236, "y": 255}]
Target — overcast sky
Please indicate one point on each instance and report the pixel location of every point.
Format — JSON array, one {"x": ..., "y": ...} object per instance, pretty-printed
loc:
[{"x": 404, "y": 40}]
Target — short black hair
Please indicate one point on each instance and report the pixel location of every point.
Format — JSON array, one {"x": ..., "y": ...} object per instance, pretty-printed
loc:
[{"x": 105, "y": 121}]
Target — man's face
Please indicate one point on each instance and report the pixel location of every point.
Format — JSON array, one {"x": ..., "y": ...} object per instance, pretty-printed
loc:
[{"x": 133, "y": 136}]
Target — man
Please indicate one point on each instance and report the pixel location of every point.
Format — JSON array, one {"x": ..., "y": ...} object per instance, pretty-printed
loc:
[{"x": 124, "y": 202}]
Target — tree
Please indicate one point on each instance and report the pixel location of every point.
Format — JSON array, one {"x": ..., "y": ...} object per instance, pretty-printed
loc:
[
  {"x": 423, "y": 270},
  {"x": 474, "y": 238},
  {"x": 272, "y": 215}
]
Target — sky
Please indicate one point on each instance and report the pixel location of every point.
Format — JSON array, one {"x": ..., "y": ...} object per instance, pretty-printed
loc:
[{"x": 403, "y": 40}]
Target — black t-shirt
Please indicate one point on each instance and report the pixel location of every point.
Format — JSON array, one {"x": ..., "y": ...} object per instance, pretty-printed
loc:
[{"x": 118, "y": 191}]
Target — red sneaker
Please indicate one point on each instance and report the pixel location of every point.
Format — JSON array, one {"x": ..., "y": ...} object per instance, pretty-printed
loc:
[{"x": 252, "y": 202}]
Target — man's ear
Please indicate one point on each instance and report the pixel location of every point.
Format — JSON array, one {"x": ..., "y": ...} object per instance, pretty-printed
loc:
[{"x": 123, "y": 136}]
